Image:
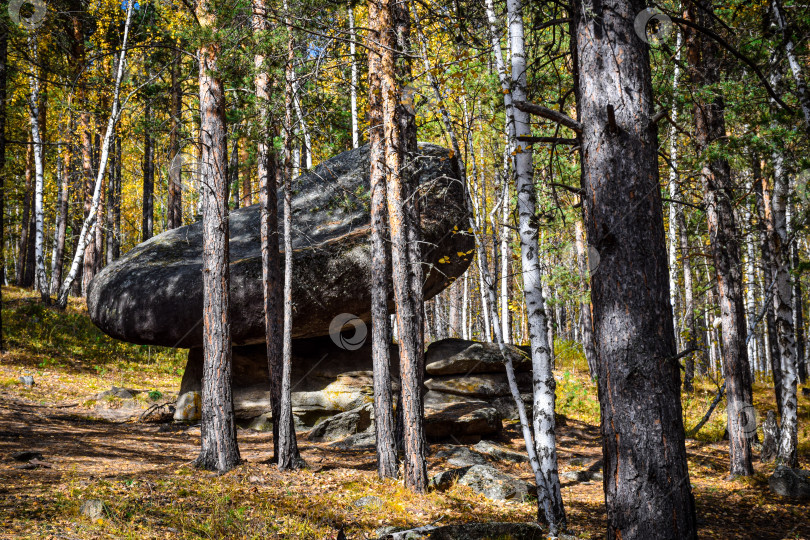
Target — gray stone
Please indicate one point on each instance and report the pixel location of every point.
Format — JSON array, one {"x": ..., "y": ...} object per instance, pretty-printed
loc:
[
  {"x": 153, "y": 294},
  {"x": 479, "y": 385},
  {"x": 469, "y": 531},
  {"x": 486, "y": 480},
  {"x": 262, "y": 423},
  {"x": 343, "y": 425},
  {"x": 93, "y": 509},
  {"x": 461, "y": 357},
  {"x": 461, "y": 456},
  {"x": 369, "y": 501},
  {"x": 506, "y": 405},
  {"x": 500, "y": 453},
  {"x": 791, "y": 483},
  {"x": 27, "y": 380},
  {"x": 359, "y": 441},
  {"x": 117, "y": 392},
  {"x": 188, "y": 407},
  {"x": 473, "y": 418}
]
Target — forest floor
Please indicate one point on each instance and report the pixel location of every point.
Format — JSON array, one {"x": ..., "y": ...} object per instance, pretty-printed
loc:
[{"x": 142, "y": 470}]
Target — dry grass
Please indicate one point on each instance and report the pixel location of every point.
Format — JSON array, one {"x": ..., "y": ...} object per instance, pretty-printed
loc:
[{"x": 142, "y": 471}]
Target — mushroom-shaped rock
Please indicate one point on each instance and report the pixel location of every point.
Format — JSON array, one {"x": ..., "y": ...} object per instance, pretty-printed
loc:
[{"x": 153, "y": 294}]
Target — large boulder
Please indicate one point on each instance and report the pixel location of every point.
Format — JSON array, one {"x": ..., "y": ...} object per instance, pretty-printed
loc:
[
  {"x": 486, "y": 480},
  {"x": 791, "y": 483},
  {"x": 153, "y": 294},
  {"x": 454, "y": 356}
]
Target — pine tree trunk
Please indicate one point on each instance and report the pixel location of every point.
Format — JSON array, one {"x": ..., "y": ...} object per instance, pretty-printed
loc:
[
  {"x": 219, "y": 450},
  {"x": 405, "y": 252},
  {"x": 703, "y": 57},
  {"x": 267, "y": 175},
  {"x": 175, "y": 204},
  {"x": 387, "y": 466},
  {"x": 646, "y": 477},
  {"x": 147, "y": 221},
  {"x": 25, "y": 259}
]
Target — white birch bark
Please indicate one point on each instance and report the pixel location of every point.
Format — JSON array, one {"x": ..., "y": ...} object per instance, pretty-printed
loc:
[
  {"x": 40, "y": 281},
  {"x": 795, "y": 66},
  {"x": 674, "y": 222},
  {"x": 543, "y": 378},
  {"x": 465, "y": 331},
  {"x": 353, "y": 90},
  {"x": 90, "y": 222},
  {"x": 505, "y": 256}
]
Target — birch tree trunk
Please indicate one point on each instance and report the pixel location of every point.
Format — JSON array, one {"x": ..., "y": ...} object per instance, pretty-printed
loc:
[
  {"x": 40, "y": 281},
  {"x": 288, "y": 456},
  {"x": 783, "y": 311},
  {"x": 90, "y": 220},
  {"x": 543, "y": 378},
  {"x": 795, "y": 66},
  {"x": 646, "y": 476},
  {"x": 353, "y": 90},
  {"x": 586, "y": 324}
]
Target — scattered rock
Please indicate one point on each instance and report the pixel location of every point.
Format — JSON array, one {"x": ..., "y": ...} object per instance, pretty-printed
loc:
[
  {"x": 472, "y": 418},
  {"x": 343, "y": 424},
  {"x": 359, "y": 441},
  {"x": 26, "y": 455},
  {"x": 254, "y": 479},
  {"x": 469, "y": 531},
  {"x": 188, "y": 407},
  {"x": 792, "y": 483},
  {"x": 93, "y": 509},
  {"x": 369, "y": 501},
  {"x": 576, "y": 461},
  {"x": 153, "y": 294},
  {"x": 263, "y": 423},
  {"x": 461, "y": 357},
  {"x": 575, "y": 476},
  {"x": 461, "y": 456},
  {"x": 27, "y": 380},
  {"x": 486, "y": 480},
  {"x": 770, "y": 438},
  {"x": 500, "y": 453},
  {"x": 116, "y": 392}
]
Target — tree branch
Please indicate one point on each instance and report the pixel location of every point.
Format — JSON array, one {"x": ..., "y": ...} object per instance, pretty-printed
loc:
[{"x": 549, "y": 114}]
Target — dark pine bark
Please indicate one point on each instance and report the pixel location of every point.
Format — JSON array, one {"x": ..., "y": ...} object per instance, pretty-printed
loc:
[
  {"x": 175, "y": 205},
  {"x": 710, "y": 133},
  {"x": 383, "y": 400},
  {"x": 147, "y": 222},
  {"x": 647, "y": 489},
  {"x": 25, "y": 262},
  {"x": 219, "y": 450}
]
